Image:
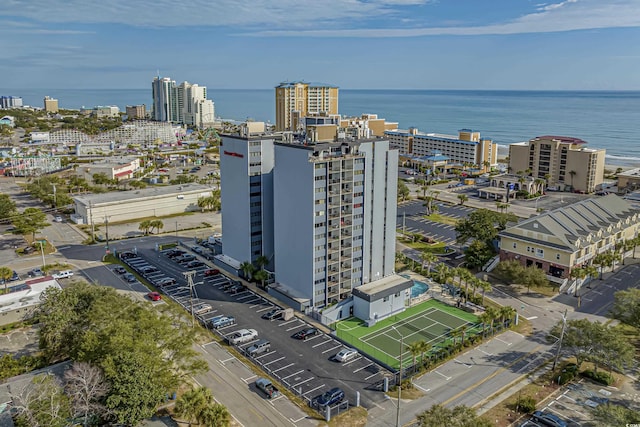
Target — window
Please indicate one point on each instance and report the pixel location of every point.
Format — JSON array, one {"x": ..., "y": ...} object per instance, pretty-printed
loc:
[
  {"x": 557, "y": 256},
  {"x": 540, "y": 253},
  {"x": 320, "y": 213},
  {"x": 385, "y": 299},
  {"x": 397, "y": 295},
  {"x": 514, "y": 245}
]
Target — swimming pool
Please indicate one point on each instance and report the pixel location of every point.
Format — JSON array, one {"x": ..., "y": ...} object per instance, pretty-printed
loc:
[{"x": 418, "y": 288}]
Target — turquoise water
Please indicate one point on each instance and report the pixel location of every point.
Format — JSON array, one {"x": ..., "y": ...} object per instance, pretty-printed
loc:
[
  {"x": 605, "y": 119},
  {"x": 418, "y": 288}
]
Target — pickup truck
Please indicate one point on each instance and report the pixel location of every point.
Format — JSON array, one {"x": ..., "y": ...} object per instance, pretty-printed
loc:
[
  {"x": 267, "y": 388},
  {"x": 242, "y": 336}
]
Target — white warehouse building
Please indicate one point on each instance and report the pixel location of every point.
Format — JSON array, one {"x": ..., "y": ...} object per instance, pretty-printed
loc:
[{"x": 135, "y": 204}]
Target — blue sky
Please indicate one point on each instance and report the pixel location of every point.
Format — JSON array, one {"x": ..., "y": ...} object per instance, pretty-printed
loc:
[{"x": 355, "y": 44}]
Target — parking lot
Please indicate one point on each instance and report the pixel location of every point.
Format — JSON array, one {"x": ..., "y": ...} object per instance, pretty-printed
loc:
[
  {"x": 411, "y": 218},
  {"x": 304, "y": 366}
]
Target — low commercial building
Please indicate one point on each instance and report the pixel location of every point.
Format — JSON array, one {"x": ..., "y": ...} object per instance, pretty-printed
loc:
[
  {"x": 135, "y": 204},
  {"x": 383, "y": 298},
  {"x": 572, "y": 236},
  {"x": 466, "y": 148},
  {"x": 8, "y": 121},
  {"x": 562, "y": 161},
  {"x": 629, "y": 180},
  {"x": 115, "y": 168},
  {"x": 23, "y": 298}
]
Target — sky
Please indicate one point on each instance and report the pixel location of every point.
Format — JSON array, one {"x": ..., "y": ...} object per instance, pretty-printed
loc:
[{"x": 354, "y": 44}]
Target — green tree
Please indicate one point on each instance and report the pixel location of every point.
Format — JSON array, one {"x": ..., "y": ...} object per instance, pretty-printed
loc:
[
  {"x": 157, "y": 224},
  {"x": 425, "y": 347},
  {"x": 198, "y": 406},
  {"x": 7, "y": 206},
  {"x": 247, "y": 269},
  {"x": 100, "y": 178},
  {"x": 145, "y": 226},
  {"x": 463, "y": 198},
  {"x": 42, "y": 404},
  {"x": 478, "y": 254},
  {"x": 5, "y": 274},
  {"x": 483, "y": 225},
  {"x": 460, "y": 416},
  {"x": 626, "y": 306},
  {"x": 31, "y": 222},
  {"x": 403, "y": 191},
  {"x": 484, "y": 286},
  {"x": 428, "y": 258},
  {"x": 261, "y": 276},
  {"x": 506, "y": 313},
  {"x": 613, "y": 415}
]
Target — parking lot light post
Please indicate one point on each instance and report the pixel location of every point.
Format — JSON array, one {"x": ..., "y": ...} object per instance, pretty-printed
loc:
[
  {"x": 564, "y": 325},
  {"x": 42, "y": 252},
  {"x": 399, "y": 378}
]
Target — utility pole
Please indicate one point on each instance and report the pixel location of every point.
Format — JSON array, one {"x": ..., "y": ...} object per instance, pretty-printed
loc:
[
  {"x": 106, "y": 232},
  {"x": 399, "y": 378},
  {"x": 189, "y": 275},
  {"x": 564, "y": 325},
  {"x": 404, "y": 217},
  {"x": 42, "y": 252}
]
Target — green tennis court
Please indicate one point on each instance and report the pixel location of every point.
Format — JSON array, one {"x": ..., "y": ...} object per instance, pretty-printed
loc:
[{"x": 430, "y": 321}]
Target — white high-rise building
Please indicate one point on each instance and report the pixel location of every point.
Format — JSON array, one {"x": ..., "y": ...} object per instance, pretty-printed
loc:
[
  {"x": 185, "y": 103},
  {"x": 323, "y": 214}
]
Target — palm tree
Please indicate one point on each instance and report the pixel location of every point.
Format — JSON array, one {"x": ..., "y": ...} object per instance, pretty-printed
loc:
[
  {"x": 425, "y": 347},
  {"x": 414, "y": 348},
  {"x": 157, "y": 224},
  {"x": 485, "y": 286},
  {"x": 463, "y": 332},
  {"x": 261, "y": 261},
  {"x": 506, "y": 313},
  {"x": 600, "y": 260},
  {"x": 248, "y": 269},
  {"x": 475, "y": 284},
  {"x": 493, "y": 315},
  {"x": 485, "y": 319},
  {"x": 454, "y": 334},
  {"x": 614, "y": 257},
  {"x": 442, "y": 274},
  {"x": 463, "y": 198},
  {"x": 428, "y": 258},
  {"x": 189, "y": 405},
  {"x": 5, "y": 274},
  {"x": 214, "y": 415},
  {"x": 487, "y": 165},
  {"x": 261, "y": 275},
  {"x": 145, "y": 226}
]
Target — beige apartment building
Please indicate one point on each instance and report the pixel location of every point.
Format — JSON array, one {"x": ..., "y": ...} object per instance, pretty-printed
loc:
[
  {"x": 136, "y": 111},
  {"x": 563, "y": 161},
  {"x": 466, "y": 148},
  {"x": 327, "y": 128},
  {"x": 50, "y": 105},
  {"x": 295, "y": 100},
  {"x": 572, "y": 236}
]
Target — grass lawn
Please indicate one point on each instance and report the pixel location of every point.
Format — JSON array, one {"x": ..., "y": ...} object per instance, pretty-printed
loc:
[
  {"x": 436, "y": 248},
  {"x": 443, "y": 219}
]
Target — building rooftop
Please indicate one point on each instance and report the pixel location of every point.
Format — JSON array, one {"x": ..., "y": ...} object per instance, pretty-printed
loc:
[
  {"x": 631, "y": 173},
  {"x": 431, "y": 136},
  {"x": 149, "y": 192},
  {"x": 26, "y": 294},
  {"x": 311, "y": 84},
  {"x": 376, "y": 290},
  {"x": 566, "y": 139}
]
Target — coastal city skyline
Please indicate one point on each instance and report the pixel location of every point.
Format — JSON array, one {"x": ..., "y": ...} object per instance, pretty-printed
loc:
[{"x": 354, "y": 44}]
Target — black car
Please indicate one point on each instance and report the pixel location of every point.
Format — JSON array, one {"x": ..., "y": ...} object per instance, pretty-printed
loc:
[
  {"x": 272, "y": 314},
  {"x": 227, "y": 286},
  {"x": 127, "y": 255},
  {"x": 175, "y": 253},
  {"x": 306, "y": 333},
  {"x": 235, "y": 289},
  {"x": 148, "y": 269},
  {"x": 129, "y": 277},
  {"x": 28, "y": 250},
  {"x": 186, "y": 258},
  {"x": 195, "y": 264},
  {"x": 120, "y": 270},
  {"x": 14, "y": 277},
  {"x": 331, "y": 397}
]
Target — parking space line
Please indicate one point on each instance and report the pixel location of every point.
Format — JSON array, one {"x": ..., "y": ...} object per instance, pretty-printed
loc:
[
  {"x": 371, "y": 376},
  {"x": 302, "y": 382},
  {"x": 226, "y": 360},
  {"x": 246, "y": 380},
  {"x": 351, "y": 361},
  {"x": 487, "y": 353},
  {"x": 505, "y": 342},
  {"x": 249, "y": 295},
  {"x": 290, "y": 321},
  {"x": 295, "y": 327},
  {"x": 294, "y": 374},
  {"x": 323, "y": 342},
  {"x": 266, "y": 354},
  {"x": 284, "y": 367},
  {"x": 463, "y": 363},
  {"x": 332, "y": 348},
  {"x": 442, "y": 375},
  {"x": 364, "y": 367},
  {"x": 265, "y": 309},
  {"x": 313, "y": 389},
  {"x": 314, "y": 337},
  {"x": 273, "y": 361}
]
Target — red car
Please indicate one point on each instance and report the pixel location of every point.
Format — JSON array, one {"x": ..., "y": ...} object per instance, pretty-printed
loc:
[
  {"x": 211, "y": 272},
  {"x": 154, "y": 296}
]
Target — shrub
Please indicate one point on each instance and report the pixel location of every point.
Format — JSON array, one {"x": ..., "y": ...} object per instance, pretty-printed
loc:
[
  {"x": 525, "y": 404},
  {"x": 600, "y": 377}
]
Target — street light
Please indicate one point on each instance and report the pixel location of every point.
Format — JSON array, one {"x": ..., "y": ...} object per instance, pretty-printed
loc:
[{"x": 399, "y": 378}]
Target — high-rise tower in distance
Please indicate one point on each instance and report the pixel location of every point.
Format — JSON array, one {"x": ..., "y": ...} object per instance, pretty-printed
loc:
[{"x": 295, "y": 100}]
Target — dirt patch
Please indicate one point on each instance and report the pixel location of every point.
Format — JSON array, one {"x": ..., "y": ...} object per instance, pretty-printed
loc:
[{"x": 20, "y": 342}]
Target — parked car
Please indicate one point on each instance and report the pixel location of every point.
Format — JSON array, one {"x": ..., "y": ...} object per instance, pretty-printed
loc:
[
  {"x": 195, "y": 264},
  {"x": 224, "y": 321},
  {"x": 36, "y": 272},
  {"x": 119, "y": 270},
  {"x": 127, "y": 255},
  {"x": 260, "y": 347},
  {"x": 227, "y": 285},
  {"x": 175, "y": 253},
  {"x": 202, "y": 308},
  {"x": 548, "y": 419},
  {"x": 154, "y": 296},
  {"x": 235, "y": 289},
  {"x": 62, "y": 274},
  {"x": 166, "y": 281},
  {"x": 211, "y": 272},
  {"x": 129, "y": 277},
  {"x": 305, "y": 333},
  {"x": 185, "y": 258},
  {"x": 28, "y": 250},
  {"x": 345, "y": 355},
  {"x": 148, "y": 269},
  {"x": 267, "y": 387},
  {"x": 272, "y": 314},
  {"x": 331, "y": 397},
  {"x": 14, "y": 277},
  {"x": 57, "y": 218},
  {"x": 242, "y": 336}
]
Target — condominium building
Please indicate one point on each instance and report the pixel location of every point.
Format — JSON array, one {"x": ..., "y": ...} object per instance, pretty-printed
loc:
[
  {"x": 323, "y": 214},
  {"x": 136, "y": 112},
  {"x": 10, "y": 102},
  {"x": 563, "y": 161},
  {"x": 295, "y": 100},
  {"x": 50, "y": 105},
  {"x": 467, "y": 148},
  {"x": 326, "y": 128},
  {"x": 186, "y": 103}
]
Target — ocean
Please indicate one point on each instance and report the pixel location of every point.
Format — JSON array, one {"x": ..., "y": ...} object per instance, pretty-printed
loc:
[{"x": 604, "y": 119}]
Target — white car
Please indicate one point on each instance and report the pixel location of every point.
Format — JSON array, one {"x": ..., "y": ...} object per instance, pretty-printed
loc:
[
  {"x": 57, "y": 218},
  {"x": 242, "y": 336},
  {"x": 62, "y": 274},
  {"x": 345, "y": 355}
]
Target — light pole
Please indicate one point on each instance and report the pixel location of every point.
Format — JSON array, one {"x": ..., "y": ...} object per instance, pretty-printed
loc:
[
  {"x": 399, "y": 378},
  {"x": 564, "y": 325},
  {"x": 42, "y": 252}
]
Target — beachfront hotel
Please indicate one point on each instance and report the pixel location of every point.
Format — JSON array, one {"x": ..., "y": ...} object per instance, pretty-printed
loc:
[
  {"x": 465, "y": 148},
  {"x": 326, "y": 128},
  {"x": 323, "y": 214},
  {"x": 563, "y": 161},
  {"x": 295, "y": 100},
  {"x": 185, "y": 103}
]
